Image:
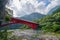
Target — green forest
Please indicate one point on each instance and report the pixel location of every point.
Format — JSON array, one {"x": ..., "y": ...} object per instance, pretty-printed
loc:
[{"x": 50, "y": 23}]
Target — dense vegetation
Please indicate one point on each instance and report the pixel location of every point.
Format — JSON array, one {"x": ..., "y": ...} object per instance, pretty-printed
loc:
[{"x": 50, "y": 23}]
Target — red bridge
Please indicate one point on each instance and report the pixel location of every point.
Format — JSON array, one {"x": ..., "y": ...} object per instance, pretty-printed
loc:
[{"x": 15, "y": 21}]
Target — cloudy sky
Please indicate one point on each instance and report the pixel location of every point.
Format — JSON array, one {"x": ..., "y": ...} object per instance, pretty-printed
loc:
[{"x": 26, "y": 7}]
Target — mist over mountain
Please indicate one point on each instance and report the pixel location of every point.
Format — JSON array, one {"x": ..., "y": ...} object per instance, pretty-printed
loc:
[
  {"x": 33, "y": 16},
  {"x": 50, "y": 23},
  {"x": 55, "y": 9},
  {"x": 26, "y": 7}
]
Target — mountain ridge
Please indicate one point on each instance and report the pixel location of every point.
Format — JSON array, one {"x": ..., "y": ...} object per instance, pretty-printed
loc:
[{"x": 33, "y": 16}]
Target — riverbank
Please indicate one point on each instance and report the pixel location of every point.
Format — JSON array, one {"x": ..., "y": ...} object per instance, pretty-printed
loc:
[{"x": 34, "y": 35}]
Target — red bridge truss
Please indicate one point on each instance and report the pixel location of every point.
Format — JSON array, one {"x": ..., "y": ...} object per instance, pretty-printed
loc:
[{"x": 15, "y": 21}]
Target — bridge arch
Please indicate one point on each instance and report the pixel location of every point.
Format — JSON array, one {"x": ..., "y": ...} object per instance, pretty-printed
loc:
[{"x": 16, "y": 21}]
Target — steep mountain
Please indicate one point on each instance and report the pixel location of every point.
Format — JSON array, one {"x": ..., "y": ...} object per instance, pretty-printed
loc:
[
  {"x": 33, "y": 16},
  {"x": 50, "y": 23},
  {"x": 55, "y": 9}
]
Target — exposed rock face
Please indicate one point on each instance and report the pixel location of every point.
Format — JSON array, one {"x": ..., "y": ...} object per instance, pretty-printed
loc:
[{"x": 2, "y": 9}]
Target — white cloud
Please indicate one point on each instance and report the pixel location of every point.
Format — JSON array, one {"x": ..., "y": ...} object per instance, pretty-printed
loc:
[
  {"x": 26, "y": 7},
  {"x": 40, "y": 7},
  {"x": 50, "y": 6},
  {"x": 45, "y": 9}
]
